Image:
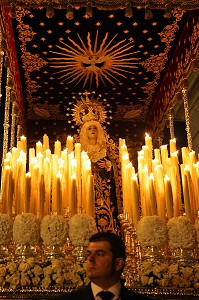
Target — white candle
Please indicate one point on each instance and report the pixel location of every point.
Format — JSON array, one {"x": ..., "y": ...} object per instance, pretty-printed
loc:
[
  {"x": 19, "y": 186},
  {"x": 90, "y": 205},
  {"x": 125, "y": 161},
  {"x": 147, "y": 161},
  {"x": 185, "y": 156},
  {"x": 78, "y": 173},
  {"x": 148, "y": 143},
  {"x": 164, "y": 157},
  {"x": 152, "y": 195},
  {"x": 34, "y": 197},
  {"x": 39, "y": 147},
  {"x": 73, "y": 203},
  {"x": 186, "y": 172},
  {"x": 58, "y": 194},
  {"x": 48, "y": 153},
  {"x": 65, "y": 180},
  {"x": 135, "y": 200},
  {"x": 23, "y": 143},
  {"x": 172, "y": 145},
  {"x": 157, "y": 154},
  {"x": 45, "y": 142},
  {"x": 31, "y": 157},
  {"x": 27, "y": 192},
  {"x": 47, "y": 181},
  {"x": 174, "y": 158},
  {"x": 57, "y": 149},
  {"x": 145, "y": 193},
  {"x": 192, "y": 156},
  {"x": 160, "y": 192},
  {"x": 69, "y": 144},
  {"x": 127, "y": 196},
  {"x": 187, "y": 204},
  {"x": 40, "y": 161},
  {"x": 5, "y": 191},
  {"x": 169, "y": 197}
]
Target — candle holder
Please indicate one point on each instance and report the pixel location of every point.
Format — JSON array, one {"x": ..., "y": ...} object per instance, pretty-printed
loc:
[
  {"x": 133, "y": 255},
  {"x": 68, "y": 250},
  {"x": 23, "y": 251},
  {"x": 152, "y": 253},
  {"x": 130, "y": 239},
  {"x": 52, "y": 251},
  {"x": 79, "y": 254},
  {"x": 182, "y": 256}
]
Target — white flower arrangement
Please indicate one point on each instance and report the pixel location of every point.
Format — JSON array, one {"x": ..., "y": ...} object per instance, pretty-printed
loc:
[
  {"x": 152, "y": 231},
  {"x": 5, "y": 229},
  {"x": 197, "y": 229},
  {"x": 26, "y": 229},
  {"x": 167, "y": 275},
  {"x": 181, "y": 233},
  {"x": 57, "y": 273},
  {"x": 54, "y": 230},
  {"x": 61, "y": 272},
  {"x": 81, "y": 227}
]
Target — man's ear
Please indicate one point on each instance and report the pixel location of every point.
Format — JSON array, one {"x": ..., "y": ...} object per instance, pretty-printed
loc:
[{"x": 119, "y": 263}]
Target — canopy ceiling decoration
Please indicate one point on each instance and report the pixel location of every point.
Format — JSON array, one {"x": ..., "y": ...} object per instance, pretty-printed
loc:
[{"x": 135, "y": 54}]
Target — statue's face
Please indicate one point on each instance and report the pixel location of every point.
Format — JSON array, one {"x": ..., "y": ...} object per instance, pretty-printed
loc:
[{"x": 92, "y": 132}]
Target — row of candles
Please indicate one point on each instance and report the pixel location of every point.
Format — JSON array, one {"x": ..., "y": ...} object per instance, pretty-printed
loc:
[
  {"x": 162, "y": 186},
  {"x": 42, "y": 182}
]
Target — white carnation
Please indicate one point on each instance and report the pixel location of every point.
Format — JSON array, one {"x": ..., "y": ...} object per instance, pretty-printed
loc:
[
  {"x": 5, "y": 229},
  {"x": 54, "y": 230},
  {"x": 26, "y": 229},
  {"x": 152, "y": 231},
  {"x": 81, "y": 227},
  {"x": 181, "y": 233}
]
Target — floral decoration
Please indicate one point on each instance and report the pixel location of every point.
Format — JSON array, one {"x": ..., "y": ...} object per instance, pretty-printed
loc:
[
  {"x": 57, "y": 273},
  {"x": 152, "y": 231},
  {"x": 5, "y": 229},
  {"x": 174, "y": 275},
  {"x": 26, "y": 229},
  {"x": 54, "y": 230},
  {"x": 81, "y": 227},
  {"x": 181, "y": 233}
]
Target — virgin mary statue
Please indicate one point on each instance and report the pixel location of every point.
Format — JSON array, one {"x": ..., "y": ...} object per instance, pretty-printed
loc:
[{"x": 105, "y": 166}]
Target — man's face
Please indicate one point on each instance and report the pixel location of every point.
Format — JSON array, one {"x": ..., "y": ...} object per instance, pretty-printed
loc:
[{"x": 100, "y": 266}]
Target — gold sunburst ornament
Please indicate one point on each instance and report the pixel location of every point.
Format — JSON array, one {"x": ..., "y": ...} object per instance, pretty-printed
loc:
[{"x": 86, "y": 63}]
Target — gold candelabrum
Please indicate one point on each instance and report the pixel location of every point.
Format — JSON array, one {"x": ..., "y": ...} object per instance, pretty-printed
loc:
[{"x": 133, "y": 250}]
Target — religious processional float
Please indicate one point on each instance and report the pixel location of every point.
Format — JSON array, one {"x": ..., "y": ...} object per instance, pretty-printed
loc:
[{"x": 48, "y": 210}]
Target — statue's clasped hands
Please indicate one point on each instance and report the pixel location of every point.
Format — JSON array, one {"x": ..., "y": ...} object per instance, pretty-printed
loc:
[{"x": 105, "y": 164}]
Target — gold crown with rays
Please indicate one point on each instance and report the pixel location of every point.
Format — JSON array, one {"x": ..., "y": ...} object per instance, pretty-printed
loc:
[{"x": 89, "y": 109}]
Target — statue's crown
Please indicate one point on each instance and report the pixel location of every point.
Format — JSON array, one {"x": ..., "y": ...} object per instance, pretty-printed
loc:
[{"x": 88, "y": 109}]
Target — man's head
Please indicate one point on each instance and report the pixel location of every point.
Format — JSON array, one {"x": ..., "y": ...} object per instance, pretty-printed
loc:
[{"x": 106, "y": 259}]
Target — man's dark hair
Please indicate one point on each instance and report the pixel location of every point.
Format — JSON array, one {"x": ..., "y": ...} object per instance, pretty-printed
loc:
[{"x": 115, "y": 241}]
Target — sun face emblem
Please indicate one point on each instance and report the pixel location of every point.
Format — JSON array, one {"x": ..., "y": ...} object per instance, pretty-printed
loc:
[{"x": 79, "y": 63}]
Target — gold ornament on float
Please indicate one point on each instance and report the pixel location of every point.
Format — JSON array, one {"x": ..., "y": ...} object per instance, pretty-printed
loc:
[{"x": 86, "y": 63}]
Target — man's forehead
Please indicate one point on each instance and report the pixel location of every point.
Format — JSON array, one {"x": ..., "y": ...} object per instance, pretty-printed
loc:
[{"x": 99, "y": 245}]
